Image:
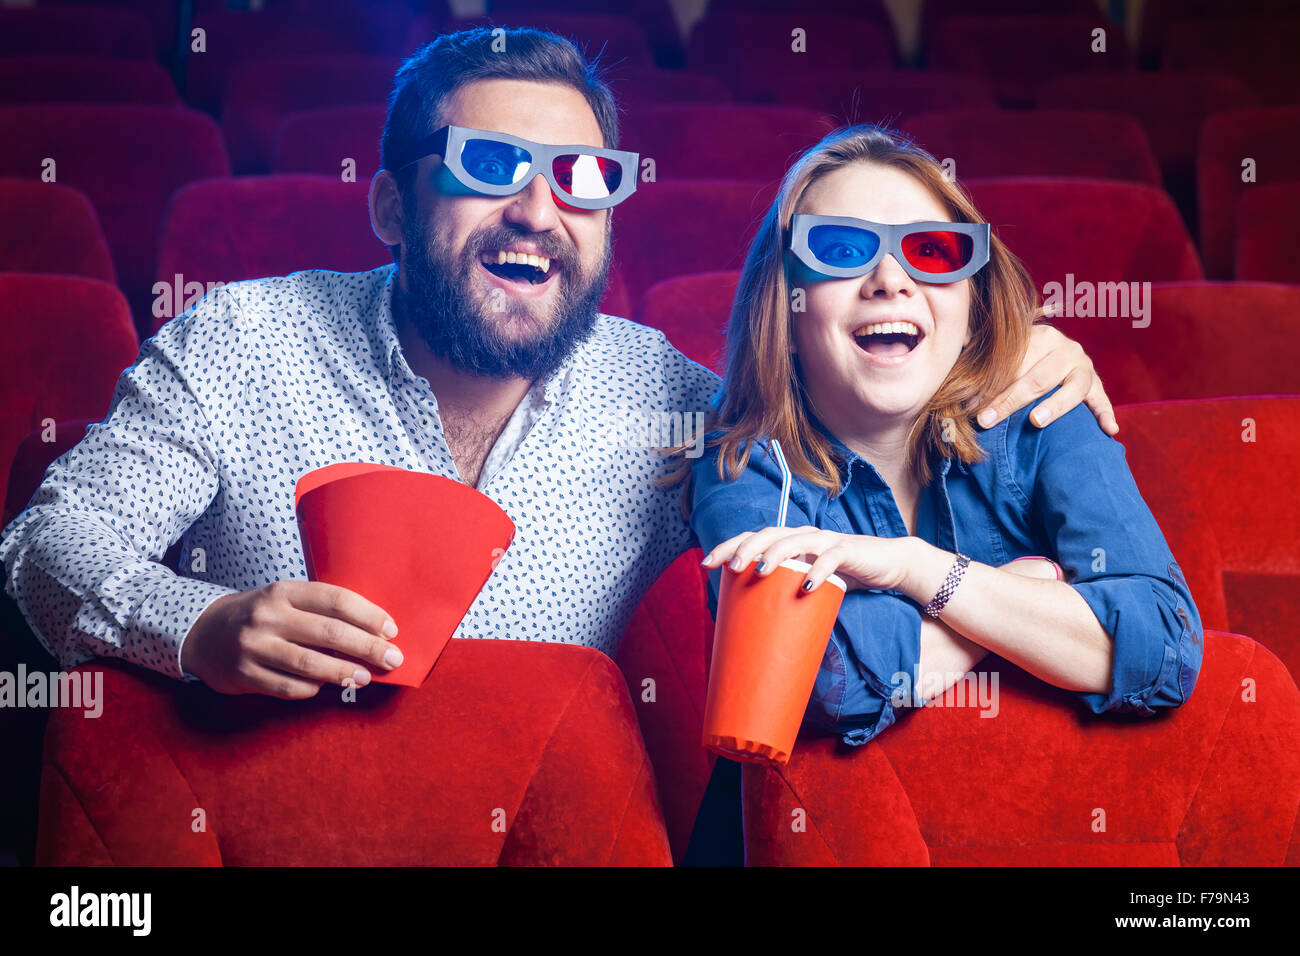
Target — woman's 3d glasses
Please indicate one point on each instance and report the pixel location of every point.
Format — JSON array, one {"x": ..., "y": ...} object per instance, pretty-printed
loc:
[
  {"x": 498, "y": 164},
  {"x": 839, "y": 247}
]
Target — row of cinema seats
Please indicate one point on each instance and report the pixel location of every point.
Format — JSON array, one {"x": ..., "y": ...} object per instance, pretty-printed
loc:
[
  {"x": 1216, "y": 782},
  {"x": 142, "y": 206},
  {"x": 619, "y": 779}
]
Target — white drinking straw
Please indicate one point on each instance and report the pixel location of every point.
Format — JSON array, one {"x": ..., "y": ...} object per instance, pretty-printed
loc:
[{"x": 785, "y": 483}]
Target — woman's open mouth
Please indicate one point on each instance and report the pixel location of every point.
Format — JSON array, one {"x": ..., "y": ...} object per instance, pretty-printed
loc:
[
  {"x": 517, "y": 267},
  {"x": 889, "y": 342}
]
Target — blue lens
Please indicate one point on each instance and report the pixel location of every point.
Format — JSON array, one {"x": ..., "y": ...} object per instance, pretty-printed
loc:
[
  {"x": 844, "y": 247},
  {"x": 493, "y": 162}
]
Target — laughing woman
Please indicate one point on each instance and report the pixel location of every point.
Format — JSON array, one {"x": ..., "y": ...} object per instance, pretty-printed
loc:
[{"x": 875, "y": 313}]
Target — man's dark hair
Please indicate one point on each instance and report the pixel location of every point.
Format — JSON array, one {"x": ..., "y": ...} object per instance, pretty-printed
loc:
[{"x": 436, "y": 70}]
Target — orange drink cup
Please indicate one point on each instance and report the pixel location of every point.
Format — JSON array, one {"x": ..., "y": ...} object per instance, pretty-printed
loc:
[{"x": 768, "y": 642}]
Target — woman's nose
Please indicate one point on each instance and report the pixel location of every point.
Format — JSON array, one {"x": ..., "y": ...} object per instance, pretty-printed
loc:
[{"x": 887, "y": 278}]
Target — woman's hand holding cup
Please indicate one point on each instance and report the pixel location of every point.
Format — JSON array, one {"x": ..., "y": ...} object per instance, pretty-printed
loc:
[{"x": 863, "y": 561}]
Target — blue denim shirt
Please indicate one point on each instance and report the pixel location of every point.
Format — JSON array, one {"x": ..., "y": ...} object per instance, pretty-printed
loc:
[{"x": 1063, "y": 491}]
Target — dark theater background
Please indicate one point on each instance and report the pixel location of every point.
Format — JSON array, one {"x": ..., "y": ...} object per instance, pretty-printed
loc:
[{"x": 150, "y": 149}]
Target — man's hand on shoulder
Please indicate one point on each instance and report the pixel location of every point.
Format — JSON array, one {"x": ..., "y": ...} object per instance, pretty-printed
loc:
[
  {"x": 1053, "y": 359},
  {"x": 278, "y": 639}
]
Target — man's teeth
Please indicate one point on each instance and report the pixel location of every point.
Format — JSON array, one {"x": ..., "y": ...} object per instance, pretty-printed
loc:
[
  {"x": 518, "y": 258},
  {"x": 885, "y": 328}
]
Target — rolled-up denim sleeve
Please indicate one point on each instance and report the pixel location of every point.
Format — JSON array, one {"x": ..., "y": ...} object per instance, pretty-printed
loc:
[
  {"x": 1115, "y": 556},
  {"x": 876, "y": 637}
]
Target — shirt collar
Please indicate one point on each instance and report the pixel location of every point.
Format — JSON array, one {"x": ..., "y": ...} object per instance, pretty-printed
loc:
[
  {"x": 389, "y": 345},
  {"x": 851, "y": 458}
]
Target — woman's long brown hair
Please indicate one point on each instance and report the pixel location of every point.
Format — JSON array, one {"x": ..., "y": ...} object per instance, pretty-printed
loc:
[{"x": 762, "y": 394}]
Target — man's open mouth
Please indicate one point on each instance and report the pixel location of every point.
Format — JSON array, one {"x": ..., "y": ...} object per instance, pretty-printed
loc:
[
  {"x": 519, "y": 267},
  {"x": 888, "y": 339}
]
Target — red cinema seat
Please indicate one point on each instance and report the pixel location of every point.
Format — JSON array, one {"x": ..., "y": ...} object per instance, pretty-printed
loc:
[
  {"x": 44, "y": 30},
  {"x": 1214, "y": 782},
  {"x": 933, "y": 11},
  {"x": 67, "y": 339},
  {"x": 1020, "y": 53},
  {"x": 1265, "y": 231},
  {"x": 755, "y": 54},
  {"x": 693, "y": 311},
  {"x": 652, "y": 86},
  {"x": 320, "y": 141},
  {"x": 678, "y": 228},
  {"x": 261, "y": 93},
  {"x": 662, "y": 656},
  {"x": 227, "y": 230},
  {"x": 1157, "y": 17},
  {"x": 160, "y": 15},
  {"x": 45, "y": 227},
  {"x": 994, "y": 142},
  {"x": 1270, "y": 137},
  {"x": 232, "y": 37},
  {"x": 1171, "y": 107},
  {"x": 77, "y": 79},
  {"x": 884, "y": 96},
  {"x": 1229, "y": 460},
  {"x": 655, "y": 17},
  {"x": 127, "y": 159},
  {"x": 722, "y": 141},
  {"x": 620, "y": 42},
  {"x": 1090, "y": 229},
  {"x": 1260, "y": 50},
  {"x": 511, "y": 753}
]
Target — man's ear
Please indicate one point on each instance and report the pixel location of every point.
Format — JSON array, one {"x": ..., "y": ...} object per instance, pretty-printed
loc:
[{"x": 386, "y": 214}]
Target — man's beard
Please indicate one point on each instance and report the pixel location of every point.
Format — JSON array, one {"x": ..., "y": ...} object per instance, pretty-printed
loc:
[{"x": 440, "y": 306}]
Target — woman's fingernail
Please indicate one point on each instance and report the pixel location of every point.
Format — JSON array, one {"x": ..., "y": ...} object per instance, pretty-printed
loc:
[
  {"x": 807, "y": 585},
  {"x": 1040, "y": 415},
  {"x": 390, "y": 629},
  {"x": 360, "y": 677},
  {"x": 986, "y": 417},
  {"x": 762, "y": 566},
  {"x": 393, "y": 657},
  {"x": 735, "y": 563},
  {"x": 706, "y": 560}
]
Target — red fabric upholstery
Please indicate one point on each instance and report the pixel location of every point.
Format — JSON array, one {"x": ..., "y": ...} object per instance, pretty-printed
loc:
[
  {"x": 1259, "y": 50},
  {"x": 678, "y": 228},
  {"x": 754, "y": 54},
  {"x": 1020, "y": 53},
  {"x": 1190, "y": 457},
  {"x": 655, "y": 17},
  {"x": 317, "y": 141},
  {"x": 89, "y": 79},
  {"x": 32, "y": 457},
  {"x": 539, "y": 736},
  {"x": 238, "y": 36},
  {"x": 1060, "y": 227},
  {"x": 226, "y": 230},
  {"x": 1271, "y": 137},
  {"x": 634, "y": 88},
  {"x": 693, "y": 312},
  {"x": 667, "y": 644},
  {"x": 1205, "y": 339},
  {"x": 102, "y": 150},
  {"x": 620, "y": 41},
  {"x": 873, "y": 96},
  {"x": 81, "y": 31},
  {"x": 1265, "y": 232},
  {"x": 1170, "y": 106},
  {"x": 1158, "y": 16},
  {"x": 723, "y": 141},
  {"x": 45, "y": 227},
  {"x": 67, "y": 339},
  {"x": 993, "y": 142},
  {"x": 1215, "y": 782},
  {"x": 933, "y": 11},
  {"x": 262, "y": 92}
]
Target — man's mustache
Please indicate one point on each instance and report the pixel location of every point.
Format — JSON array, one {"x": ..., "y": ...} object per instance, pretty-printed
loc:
[{"x": 548, "y": 244}]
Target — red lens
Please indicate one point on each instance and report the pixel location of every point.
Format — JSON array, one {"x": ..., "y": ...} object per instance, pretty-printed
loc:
[
  {"x": 585, "y": 176},
  {"x": 939, "y": 251}
]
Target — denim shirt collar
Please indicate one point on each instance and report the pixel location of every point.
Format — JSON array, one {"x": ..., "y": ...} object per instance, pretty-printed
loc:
[{"x": 852, "y": 458}]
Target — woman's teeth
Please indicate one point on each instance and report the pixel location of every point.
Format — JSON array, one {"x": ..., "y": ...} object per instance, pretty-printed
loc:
[
  {"x": 889, "y": 339},
  {"x": 883, "y": 328}
]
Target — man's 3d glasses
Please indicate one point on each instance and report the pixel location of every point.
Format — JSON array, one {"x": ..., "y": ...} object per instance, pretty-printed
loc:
[
  {"x": 498, "y": 164},
  {"x": 840, "y": 247}
]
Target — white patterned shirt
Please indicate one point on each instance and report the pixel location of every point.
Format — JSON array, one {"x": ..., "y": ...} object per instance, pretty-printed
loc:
[{"x": 263, "y": 381}]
